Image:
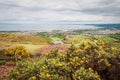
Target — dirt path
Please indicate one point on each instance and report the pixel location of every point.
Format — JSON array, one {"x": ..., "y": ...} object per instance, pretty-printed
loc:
[{"x": 5, "y": 69}]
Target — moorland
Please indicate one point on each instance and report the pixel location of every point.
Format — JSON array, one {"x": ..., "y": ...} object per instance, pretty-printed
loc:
[{"x": 60, "y": 55}]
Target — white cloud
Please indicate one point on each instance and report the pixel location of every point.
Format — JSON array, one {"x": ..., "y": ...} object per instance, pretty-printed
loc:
[{"x": 58, "y": 10}]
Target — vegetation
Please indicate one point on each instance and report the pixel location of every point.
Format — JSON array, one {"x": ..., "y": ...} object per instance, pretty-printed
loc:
[
  {"x": 91, "y": 60},
  {"x": 115, "y": 36},
  {"x": 60, "y": 36},
  {"x": 76, "y": 39},
  {"x": 23, "y": 38},
  {"x": 42, "y": 34},
  {"x": 17, "y": 52},
  {"x": 9, "y": 31},
  {"x": 80, "y": 31},
  {"x": 106, "y": 39},
  {"x": 2, "y": 62},
  {"x": 40, "y": 57}
]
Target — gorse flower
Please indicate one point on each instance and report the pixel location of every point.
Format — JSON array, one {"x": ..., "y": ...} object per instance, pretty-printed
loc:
[
  {"x": 100, "y": 47},
  {"x": 43, "y": 67},
  {"x": 47, "y": 75},
  {"x": 86, "y": 47},
  {"x": 113, "y": 48},
  {"x": 59, "y": 64},
  {"x": 34, "y": 78},
  {"x": 90, "y": 69},
  {"x": 81, "y": 61},
  {"x": 108, "y": 64}
]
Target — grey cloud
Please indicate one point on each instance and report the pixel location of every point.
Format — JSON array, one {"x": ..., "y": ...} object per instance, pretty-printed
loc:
[
  {"x": 70, "y": 9},
  {"x": 113, "y": 11},
  {"x": 106, "y": 8},
  {"x": 108, "y": 2},
  {"x": 8, "y": 5}
]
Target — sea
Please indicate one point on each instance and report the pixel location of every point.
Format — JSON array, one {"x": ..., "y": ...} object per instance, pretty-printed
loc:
[{"x": 49, "y": 27}]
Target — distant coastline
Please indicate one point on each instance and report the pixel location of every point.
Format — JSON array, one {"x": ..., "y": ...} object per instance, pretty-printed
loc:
[{"x": 48, "y": 27}]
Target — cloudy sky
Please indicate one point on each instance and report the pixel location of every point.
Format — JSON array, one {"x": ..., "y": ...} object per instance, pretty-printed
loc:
[{"x": 81, "y": 11}]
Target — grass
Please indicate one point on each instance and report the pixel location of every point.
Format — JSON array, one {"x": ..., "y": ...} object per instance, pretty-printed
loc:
[
  {"x": 30, "y": 42},
  {"x": 115, "y": 36},
  {"x": 76, "y": 39},
  {"x": 60, "y": 36},
  {"x": 31, "y": 48},
  {"x": 106, "y": 39},
  {"x": 42, "y": 34},
  {"x": 23, "y": 39}
]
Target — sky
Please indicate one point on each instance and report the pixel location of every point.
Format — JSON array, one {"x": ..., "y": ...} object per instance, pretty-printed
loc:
[{"x": 59, "y": 11}]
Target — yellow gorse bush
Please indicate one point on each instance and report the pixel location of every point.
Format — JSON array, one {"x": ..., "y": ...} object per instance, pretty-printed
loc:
[
  {"x": 17, "y": 51},
  {"x": 90, "y": 60}
]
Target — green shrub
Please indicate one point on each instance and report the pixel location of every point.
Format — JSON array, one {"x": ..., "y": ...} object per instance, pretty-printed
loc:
[
  {"x": 61, "y": 36},
  {"x": 115, "y": 36},
  {"x": 92, "y": 60},
  {"x": 2, "y": 62}
]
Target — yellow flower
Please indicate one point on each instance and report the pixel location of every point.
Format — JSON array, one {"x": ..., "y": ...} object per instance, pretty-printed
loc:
[
  {"x": 86, "y": 47},
  {"x": 81, "y": 61},
  {"x": 33, "y": 77},
  {"x": 46, "y": 54},
  {"x": 109, "y": 65},
  {"x": 77, "y": 51},
  {"x": 63, "y": 55},
  {"x": 83, "y": 58},
  {"x": 54, "y": 61},
  {"x": 59, "y": 64},
  {"x": 84, "y": 43},
  {"x": 90, "y": 69},
  {"x": 96, "y": 76},
  {"x": 76, "y": 58},
  {"x": 100, "y": 47},
  {"x": 113, "y": 49},
  {"x": 43, "y": 67},
  {"x": 68, "y": 63},
  {"x": 17, "y": 72},
  {"x": 70, "y": 55},
  {"x": 102, "y": 43},
  {"x": 48, "y": 75},
  {"x": 83, "y": 73},
  {"x": 100, "y": 60}
]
